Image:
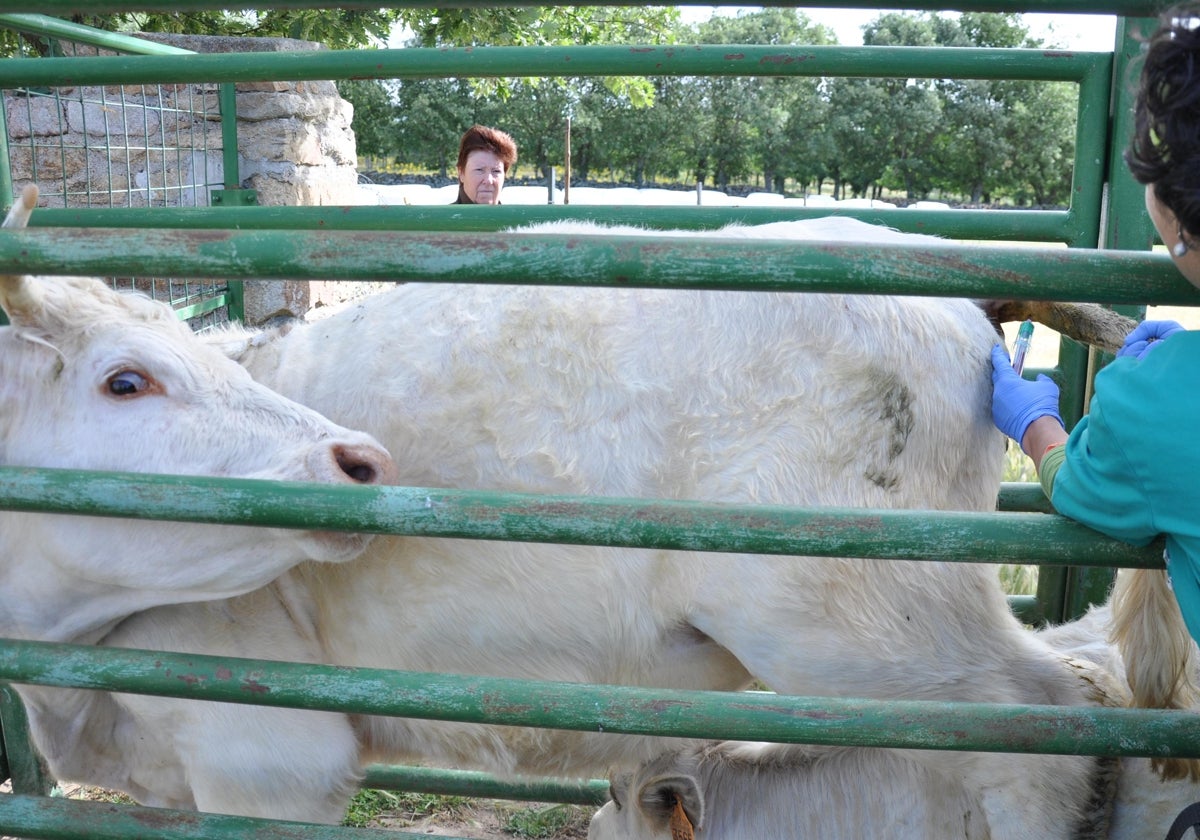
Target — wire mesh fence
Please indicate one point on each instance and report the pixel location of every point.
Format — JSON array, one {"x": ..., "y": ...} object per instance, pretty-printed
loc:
[{"x": 97, "y": 146}]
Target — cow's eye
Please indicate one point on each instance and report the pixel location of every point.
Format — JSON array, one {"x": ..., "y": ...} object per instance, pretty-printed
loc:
[{"x": 127, "y": 383}]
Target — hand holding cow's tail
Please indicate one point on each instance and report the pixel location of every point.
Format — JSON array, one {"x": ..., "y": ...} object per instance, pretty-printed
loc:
[
  {"x": 1146, "y": 336},
  {"x": 1157, "y": 649}
]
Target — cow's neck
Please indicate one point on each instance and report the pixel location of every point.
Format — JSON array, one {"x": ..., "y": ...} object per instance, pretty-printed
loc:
[{"x": 65, "y": 610}]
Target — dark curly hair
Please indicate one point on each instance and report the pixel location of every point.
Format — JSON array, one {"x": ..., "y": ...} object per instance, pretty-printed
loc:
[
  {"x": 1165, "y": 150},
  {"x": 481, "y": 137}
]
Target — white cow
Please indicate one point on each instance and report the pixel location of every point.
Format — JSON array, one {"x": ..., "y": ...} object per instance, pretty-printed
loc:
[
  {"x": 813, "y": 400},
  {"x": 95, "y": 380},
  {"x": 732, "y": 790}
]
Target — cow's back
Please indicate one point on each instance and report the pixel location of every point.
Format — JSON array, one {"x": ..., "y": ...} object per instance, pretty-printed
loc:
[{"x": 808, "y": 399}]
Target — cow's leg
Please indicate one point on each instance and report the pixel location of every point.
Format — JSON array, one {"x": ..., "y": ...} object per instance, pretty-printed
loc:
[
  {"x": 904, "y": 631},
  {"x": 274, "y": 763}
]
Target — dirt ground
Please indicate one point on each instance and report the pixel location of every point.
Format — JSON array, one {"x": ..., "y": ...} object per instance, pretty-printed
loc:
[{"x": 488, "y": 819}]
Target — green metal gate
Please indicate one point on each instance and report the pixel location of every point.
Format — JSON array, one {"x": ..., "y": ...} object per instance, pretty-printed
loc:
[{"x": 435, "y": 243}]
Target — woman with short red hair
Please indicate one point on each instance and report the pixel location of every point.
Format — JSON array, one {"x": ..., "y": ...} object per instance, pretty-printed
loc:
[{"x": 484, "y": 156}]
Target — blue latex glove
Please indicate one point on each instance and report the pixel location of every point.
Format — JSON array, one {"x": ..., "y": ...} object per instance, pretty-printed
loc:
[
  {"x": 1145, "y": 337},
  {"x": 1017, "y": 402}
]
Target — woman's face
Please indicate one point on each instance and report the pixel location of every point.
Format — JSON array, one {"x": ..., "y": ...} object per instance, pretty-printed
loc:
[
  {"x": 482, "y": 177},
  {"x": 1168, "y": 230}
]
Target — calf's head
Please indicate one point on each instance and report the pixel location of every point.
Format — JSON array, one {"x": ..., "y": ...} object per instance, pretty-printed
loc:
[
  {"x": 666, "y": 805},
  {"x": 94, "y": 379}
]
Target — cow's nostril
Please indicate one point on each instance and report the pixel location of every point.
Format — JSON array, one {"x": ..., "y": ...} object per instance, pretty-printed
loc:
[{"x": 357, "y": 465}]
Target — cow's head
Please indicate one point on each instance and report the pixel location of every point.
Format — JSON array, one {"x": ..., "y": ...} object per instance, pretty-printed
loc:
[
  {"x": 94, "y": 379},
  {"x": 667, "y": 805}
]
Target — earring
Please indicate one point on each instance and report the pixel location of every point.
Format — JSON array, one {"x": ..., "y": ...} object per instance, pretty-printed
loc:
[{"x": 1181, "y": 247}]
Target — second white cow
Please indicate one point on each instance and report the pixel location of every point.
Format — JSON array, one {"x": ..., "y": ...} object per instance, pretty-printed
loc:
[
  {"x": 732, "y": 790},
  {"x": 792, "y": 399}
]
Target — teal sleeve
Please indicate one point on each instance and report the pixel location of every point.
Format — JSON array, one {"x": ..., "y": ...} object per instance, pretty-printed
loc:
[{"x": 1096, "y": 484}]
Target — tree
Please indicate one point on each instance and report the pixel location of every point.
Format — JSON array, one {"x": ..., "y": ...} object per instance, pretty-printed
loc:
[
  {"x": 356, "y": 29},
  {"x": 974, "y": 145},
  {"x": 374, "y": 115},
  {"x": 643, "y": 142},
  {"x": 978, "y": 143},
  {"x": 856, "y": 125},
  {"x": 909, "y": 113},
  {"x": 1043, "y": 119},
  {"x": 812, "y": 150},
  {"x": 535, "y": 115},
  {"x": 749, "y": 118},
  {"x": 430, "y": 116},
  {"x": 901, "y": 30},
  {"x": 978, "y": 139},
  {"x": 541, "y": 25},
  {"x": 338, "y": 29}
]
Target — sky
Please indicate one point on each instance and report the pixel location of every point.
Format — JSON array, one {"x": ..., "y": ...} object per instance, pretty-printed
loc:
[{"x": 1075, "y": 32}]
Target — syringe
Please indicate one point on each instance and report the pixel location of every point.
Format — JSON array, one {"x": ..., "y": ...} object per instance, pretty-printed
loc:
[{"x": 1021, "y": 348}]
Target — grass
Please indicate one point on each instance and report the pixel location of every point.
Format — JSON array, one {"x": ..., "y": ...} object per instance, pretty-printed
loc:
[
  {"x": 386, "y": 809},
  {"x": 1018, "y": 580},
  {"x": 368, "y": 805},
  {"x": 545, "y": 822}
]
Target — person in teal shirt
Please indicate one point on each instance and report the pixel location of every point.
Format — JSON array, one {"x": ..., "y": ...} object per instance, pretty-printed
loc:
[{"x": 1131, "y": 467}]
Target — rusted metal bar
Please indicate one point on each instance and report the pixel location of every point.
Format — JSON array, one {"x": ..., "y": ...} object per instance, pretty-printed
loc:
[
  {"x": 575, "y": 61},
  {"x": 61, "y": 819},
  {"x": 1010, "y": 225},
  {"x": 973, "y": 271},
  {"x": 588, "y": 520},
  {"x": 756, "y": 716},
  {"x": 473, "y": 783}
]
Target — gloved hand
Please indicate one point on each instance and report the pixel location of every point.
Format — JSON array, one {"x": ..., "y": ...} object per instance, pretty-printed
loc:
[
  {"x": 1142, "y": 338},
  {"x": 1017, "y": 402}
]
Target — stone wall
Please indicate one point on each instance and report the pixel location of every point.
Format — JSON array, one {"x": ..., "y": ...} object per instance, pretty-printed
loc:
[{"x": 161, "y": 146}]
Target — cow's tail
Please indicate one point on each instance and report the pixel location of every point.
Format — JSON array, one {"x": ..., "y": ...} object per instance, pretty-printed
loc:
[
  {"x": 1149, "y": 631},
  {"x": 1089, "y": 323}
]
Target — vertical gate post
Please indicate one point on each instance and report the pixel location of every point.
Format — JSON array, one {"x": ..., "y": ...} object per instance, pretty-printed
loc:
[
  {"x": 24, "y": 764},
  {"x": 1128, "y": 227}
]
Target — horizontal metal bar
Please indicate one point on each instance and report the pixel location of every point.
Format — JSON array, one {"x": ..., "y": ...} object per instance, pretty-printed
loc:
[
  {"x": 576, "y": 61},
  {"x": 70, "y": 7},
  {"x": 57, "y": 818},
  {"x": 581, "y": 520},
  {"x": 1009, "y": 225},
  {"x": 972, "y": 271},
  {"x": 1024, "y": 496},
  {"x": 476, "y": 784},
  {"x": 196, "y": 310},
  {"x": 750, "y": 716},
  {"x": 66, "y": 30}
]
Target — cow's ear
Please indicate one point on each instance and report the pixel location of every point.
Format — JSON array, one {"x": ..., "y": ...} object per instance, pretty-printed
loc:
[{"x": 659, "y": 796}]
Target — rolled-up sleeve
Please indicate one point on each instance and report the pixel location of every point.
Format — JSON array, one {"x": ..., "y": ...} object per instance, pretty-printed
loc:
[{"x": 1097, "y": 484}]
